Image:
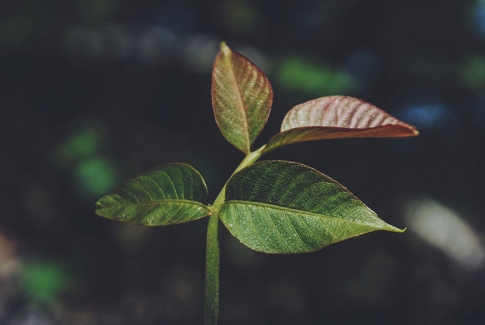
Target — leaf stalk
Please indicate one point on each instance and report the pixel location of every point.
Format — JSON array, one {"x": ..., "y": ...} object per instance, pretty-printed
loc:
[{"x": 250, "y": 159}]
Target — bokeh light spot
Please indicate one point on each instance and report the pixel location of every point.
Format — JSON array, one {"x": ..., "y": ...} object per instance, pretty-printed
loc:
[
  {"x": 428, "y": 115},
  {"x": 301, "y": 75},
  {"x": 479, "y": 17},
  {"x": 44, "y": 282},
  {"x": 82, "y": 145},
  {"x": 96, "y": 176},
  {"x": 473, "y": 73},
  {"x": 447, "y": 230}
]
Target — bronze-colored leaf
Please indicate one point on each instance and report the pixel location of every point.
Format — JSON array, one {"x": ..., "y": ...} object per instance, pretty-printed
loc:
[
  {"x": 338, "y": 117},
  {"x": 241, "y": 98}
]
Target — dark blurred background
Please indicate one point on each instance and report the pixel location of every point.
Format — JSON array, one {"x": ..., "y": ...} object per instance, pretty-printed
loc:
[{"x": 95, "y": 91}]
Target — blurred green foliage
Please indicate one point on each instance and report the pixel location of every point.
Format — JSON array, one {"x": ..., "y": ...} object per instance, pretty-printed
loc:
[
  {"x": 44, "y": 281},
  {"x": 96, "y": 176},
  {"x": 81, "y": 154},
  {"x": 81, "y": 145},
  {"x": 299, "y": 74},
  {"x": 473, "y": 73}
]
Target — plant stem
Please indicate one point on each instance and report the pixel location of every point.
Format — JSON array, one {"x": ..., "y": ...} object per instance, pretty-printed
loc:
[
  {"x": 212, "y": 271},
  {"x": 213, "y": 248}
]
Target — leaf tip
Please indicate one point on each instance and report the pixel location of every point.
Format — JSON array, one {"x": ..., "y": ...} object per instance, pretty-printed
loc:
[
  {"x": 98, "y": 203},
  {"x": 394, "y": 229},
  {"x": 101, "y": 204},
  {"x": 411, "y": 130},
  {"x": 98, "y": 206},
  {"x": 224, "y": 48}
]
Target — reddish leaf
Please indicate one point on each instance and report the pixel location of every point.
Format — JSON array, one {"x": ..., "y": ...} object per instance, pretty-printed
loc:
[
  {"x": 338, "y": 117},
  {"x": 241, "y": 98}
]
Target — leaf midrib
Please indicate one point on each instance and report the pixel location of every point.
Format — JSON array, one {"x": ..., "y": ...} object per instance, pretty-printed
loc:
[
  {"x": 324, "y": 127},
  {"x": 158, "y": 202},
  {"x": 239, "y": 99},
  {"x": 308, "y": 213}
]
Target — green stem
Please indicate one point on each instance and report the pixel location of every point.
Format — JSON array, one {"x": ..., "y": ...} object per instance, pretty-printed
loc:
[
  {"x": 212, "y": 271},
  {"x": 213, "y": 248}
]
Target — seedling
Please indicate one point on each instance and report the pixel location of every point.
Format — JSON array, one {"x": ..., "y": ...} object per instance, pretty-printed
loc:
[{"x": 275, "y": 206}]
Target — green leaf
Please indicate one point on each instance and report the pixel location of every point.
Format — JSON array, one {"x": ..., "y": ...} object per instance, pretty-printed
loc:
[
  {"x": 169, "y": 194},
  {"x": 286, "y": 207},
  {"x": 338, "y": 117},
  {"x": 241, "y": 98}
]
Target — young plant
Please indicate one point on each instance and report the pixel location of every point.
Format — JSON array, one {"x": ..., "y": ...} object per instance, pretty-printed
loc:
[{"x": 275, "y": 207}]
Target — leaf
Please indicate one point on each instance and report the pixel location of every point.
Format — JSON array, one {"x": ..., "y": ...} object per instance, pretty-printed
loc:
[
  {"x": 286, "y": 207},
  {"x": 338, "y": 117},
  {"x": 241, "y": 98},
  {"x": 168, "y": 194}
]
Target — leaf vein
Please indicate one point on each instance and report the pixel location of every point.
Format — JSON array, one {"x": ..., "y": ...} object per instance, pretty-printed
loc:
[
  {"x": 307, "y": 213},
  {"x": 156, "y": 183},
  {"x": 271, "y": 221},
  {"x": 296, "y": 232}
]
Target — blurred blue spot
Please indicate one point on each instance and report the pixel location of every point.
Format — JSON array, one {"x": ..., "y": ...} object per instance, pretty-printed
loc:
[
  {"x": 428, "y": 115},
  {"x": 480, "y": 17}
]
